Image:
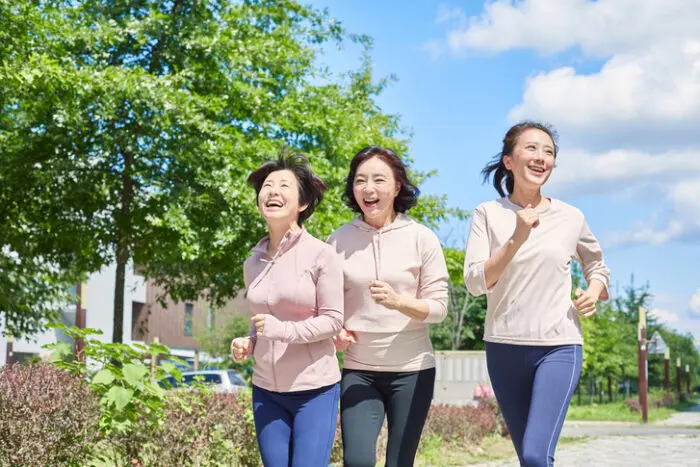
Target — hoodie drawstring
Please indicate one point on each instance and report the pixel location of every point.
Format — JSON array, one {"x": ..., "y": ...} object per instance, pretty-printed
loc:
[{"x": 377, "y": 248}]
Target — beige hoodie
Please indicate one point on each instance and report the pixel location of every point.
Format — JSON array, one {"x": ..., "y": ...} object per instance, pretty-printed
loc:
[{"x": 408, "y": 256}]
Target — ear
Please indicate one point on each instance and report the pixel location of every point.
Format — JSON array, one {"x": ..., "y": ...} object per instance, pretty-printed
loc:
[
  {"x": 302, "y": 208},
  {"x": 398, "y": 189},
  {"x": 507, "y": 162}
]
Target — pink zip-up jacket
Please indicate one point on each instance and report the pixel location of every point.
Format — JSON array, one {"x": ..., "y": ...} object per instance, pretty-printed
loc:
[{"x": 300, "y": 292}]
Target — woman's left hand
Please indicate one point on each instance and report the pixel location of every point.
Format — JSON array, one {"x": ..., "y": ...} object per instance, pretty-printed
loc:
[
  {"x": 383, "y": 294},
  {"x": 585, "y": 303}
]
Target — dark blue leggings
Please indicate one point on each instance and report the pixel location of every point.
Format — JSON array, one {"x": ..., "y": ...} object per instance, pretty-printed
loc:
[
  {"x": 533, "y": 386},
  {"x": 296, "y": 429}
]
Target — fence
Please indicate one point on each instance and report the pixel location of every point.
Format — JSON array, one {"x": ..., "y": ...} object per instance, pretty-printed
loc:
[{"x": 458, "y": 373}]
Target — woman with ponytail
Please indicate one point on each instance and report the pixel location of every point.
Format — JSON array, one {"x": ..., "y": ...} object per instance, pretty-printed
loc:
[{"x": 519, "y": 253}]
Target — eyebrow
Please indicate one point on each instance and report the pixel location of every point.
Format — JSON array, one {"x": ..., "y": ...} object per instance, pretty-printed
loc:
[{"x": 546, "y": 145}]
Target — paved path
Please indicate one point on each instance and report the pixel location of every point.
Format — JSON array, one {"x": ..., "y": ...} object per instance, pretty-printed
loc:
[{"x": 674, "y": 442}]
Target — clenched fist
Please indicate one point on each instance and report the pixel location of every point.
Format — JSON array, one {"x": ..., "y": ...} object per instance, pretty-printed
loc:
[
  {"x": 585, "y": 303},
  {"x": 343, "y": 340},
  {"x": 526, "y": 220},
  {"x": 241, "y": 349}
]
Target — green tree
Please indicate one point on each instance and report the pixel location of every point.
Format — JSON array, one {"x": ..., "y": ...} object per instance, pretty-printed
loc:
[
  {"x": 463, "y": 328},
  {"x": 129, "y": 128},
  {"x": 217, "y": 343}
]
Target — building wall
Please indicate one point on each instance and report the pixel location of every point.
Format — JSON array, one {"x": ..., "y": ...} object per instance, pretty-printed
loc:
[
  {"x": 458, "y": 373},
  {"x": 97, "y": 298},
  {"x": 168, "y": 322}
]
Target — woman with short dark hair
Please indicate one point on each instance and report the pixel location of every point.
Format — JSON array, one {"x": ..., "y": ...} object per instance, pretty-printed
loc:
[
  {"x": 395, "y": 285},
  {"x": 294, "y": 284},
  {"x": 519, "y": 252}
]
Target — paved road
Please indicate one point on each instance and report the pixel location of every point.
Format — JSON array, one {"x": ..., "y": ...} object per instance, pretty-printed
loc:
[{"x": 675, "y": 442}]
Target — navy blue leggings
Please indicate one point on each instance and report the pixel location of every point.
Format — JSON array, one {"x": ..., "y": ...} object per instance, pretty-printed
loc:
[
  {"x": 296, "y": 429},
  {"x": 533, "y": 386}
]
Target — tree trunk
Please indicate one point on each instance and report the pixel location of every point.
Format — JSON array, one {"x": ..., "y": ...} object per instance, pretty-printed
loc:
[
  {"x": 610, "y": 393},
  {"x": 122, "y": 253}
]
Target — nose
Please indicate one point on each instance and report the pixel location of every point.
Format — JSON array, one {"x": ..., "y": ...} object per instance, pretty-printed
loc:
[{"x": 368, "y": 187}]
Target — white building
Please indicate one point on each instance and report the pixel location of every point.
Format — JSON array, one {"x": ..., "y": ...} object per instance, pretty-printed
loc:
[{"x": 97, "y": 298}]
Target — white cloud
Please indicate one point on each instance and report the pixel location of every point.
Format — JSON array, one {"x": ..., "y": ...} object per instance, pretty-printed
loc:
[
  {"x": 665, "y": 316},
  {"x": 446, "y": 14},
  {"x": 695, "y": 303},
  {"x": 599, "y": 28},
  {"x": 655, "y": 93},
  {"x": 631, "y": 127}
]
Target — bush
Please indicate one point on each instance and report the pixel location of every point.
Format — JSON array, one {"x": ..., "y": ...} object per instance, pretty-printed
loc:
[
  {"x": 661, "y": 400},
  {"x": 656, "y": 400},
  {"x": 47, "y": 416},
  {"x": 462, "y": 424},
  {"x": 205, "y": 429}
]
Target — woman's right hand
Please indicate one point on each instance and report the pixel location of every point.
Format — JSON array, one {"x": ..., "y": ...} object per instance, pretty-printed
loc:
[
  {"x": 241, "y": 349},
  {"x": 343, "y": 340},
  {"x": 526, "y": 220}
]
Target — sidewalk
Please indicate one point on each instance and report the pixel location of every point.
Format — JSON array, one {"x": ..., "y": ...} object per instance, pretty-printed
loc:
[{"x": 674, "y": 442}]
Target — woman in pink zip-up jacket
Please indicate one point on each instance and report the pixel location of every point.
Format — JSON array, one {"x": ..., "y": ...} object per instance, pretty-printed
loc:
[
  {"x": 395, "y": 285},
  {"x": 294, "y": 284}
]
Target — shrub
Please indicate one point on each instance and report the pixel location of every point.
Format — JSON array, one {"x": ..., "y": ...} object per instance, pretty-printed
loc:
[
  {"x": 47, "y": 416},
  {"x": 633, "y": 404},
  {"x": 462, "y": 424},
  {"x": 131, "y": 401},
  {"x": 205, "y": 429}
]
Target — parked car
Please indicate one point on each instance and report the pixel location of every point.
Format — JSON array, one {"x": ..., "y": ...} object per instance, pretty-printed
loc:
[{"x": 222, "y": 381}]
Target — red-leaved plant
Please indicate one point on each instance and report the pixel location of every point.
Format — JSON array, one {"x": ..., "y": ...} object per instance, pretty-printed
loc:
[{"x": 47, "y": 417}]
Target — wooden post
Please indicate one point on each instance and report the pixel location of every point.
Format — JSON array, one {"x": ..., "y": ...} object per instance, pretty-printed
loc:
[
  {"x": 678, "y": 377},
  {"x": 667, "y": 370},
  {"x": 9, "y": 360},
  {"x": 154, "y": 358},
  {"x": 79, "y": 322},
  {"x": 642, "y": 381}
]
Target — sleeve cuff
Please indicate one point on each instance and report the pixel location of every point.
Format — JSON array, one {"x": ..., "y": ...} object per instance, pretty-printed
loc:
[{"x": 273, "y": 329}]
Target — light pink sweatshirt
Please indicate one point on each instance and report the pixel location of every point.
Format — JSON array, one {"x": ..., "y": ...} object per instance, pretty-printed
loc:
[
  {"x": 531, "y": 302},
  {"x": 300, "y": 290},
  {"x": 408, "y": 256}
]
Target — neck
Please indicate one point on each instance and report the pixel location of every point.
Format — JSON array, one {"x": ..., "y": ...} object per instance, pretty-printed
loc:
[
  {"x": 380, "y": 221},
  {"x": 277, "y": 232},
  {"x": 524, "y": 196}
]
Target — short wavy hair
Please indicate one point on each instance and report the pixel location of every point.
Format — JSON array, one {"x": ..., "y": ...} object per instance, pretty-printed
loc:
[
  {"x": 311, "y": 187},
  {"x": 408, "y": 192}
]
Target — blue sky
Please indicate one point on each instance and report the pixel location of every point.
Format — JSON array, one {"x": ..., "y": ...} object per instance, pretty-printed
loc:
[{"x": 624, "y": 95}]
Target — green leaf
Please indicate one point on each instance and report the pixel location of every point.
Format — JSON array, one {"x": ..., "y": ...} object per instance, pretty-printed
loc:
[
  {"x": 105, "y": 377},
  {"x": 133, "y": 374},
  {"x": 119, "y": 396}
]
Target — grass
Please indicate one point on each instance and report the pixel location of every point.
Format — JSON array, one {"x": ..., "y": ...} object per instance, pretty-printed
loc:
[
  {"x": 619, "y": 412},
  {"x": 494, "y": 448}
]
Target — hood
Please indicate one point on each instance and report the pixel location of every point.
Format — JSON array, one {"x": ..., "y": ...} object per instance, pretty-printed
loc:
[{"x": 401, "y": 221}]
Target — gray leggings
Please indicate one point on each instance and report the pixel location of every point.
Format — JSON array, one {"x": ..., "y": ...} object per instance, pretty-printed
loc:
[{"x": 366, "y": 396}]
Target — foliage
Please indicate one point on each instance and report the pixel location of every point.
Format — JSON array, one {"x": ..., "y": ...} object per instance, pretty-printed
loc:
[
  {"x": 462, "y": 424},
  {"x": 463, "y": 328},
  {"x": 129, "y": 128},
  {"x": 130, "y": 398},
  {"x": 217, "y": 343},
  {"x": 47, "y": 416},
  {"x": 204, "y": 430}
]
